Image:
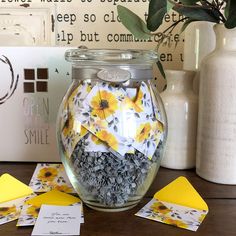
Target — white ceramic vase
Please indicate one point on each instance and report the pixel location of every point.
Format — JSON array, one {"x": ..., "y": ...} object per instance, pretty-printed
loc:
[
  {"x": 199, "y": 41},
  {"x": 181, "y": 106},
  {"x": 216, "y": 141}
]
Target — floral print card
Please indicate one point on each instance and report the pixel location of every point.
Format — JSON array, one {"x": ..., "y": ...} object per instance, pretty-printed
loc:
[
  {"x": 147, "y": 137},
  {"x": 94, "y": 144},
  {"x": 107, "y": 110},
  {"x": 178, "y": 204},
  {"x": 172, "y": 214},
  {"x": 12, "y": 188},
  {"x": 50, "y": 176},
  {"x": 101, "y": 115},
  {"x": 74, "y": 102},
  {"x": 72, "y": 130},
  {"x": 32, "y": 205},
  {"x": 10, "y": 211}
]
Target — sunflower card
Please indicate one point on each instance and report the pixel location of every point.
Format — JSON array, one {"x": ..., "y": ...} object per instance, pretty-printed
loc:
[
  {"x": 50, "y": 176},
  {"x": 121, "y": 122},
  {"x": 72, "y": 130},
  {"x": 177, "y": 204},
  {"x": 17, "y": 189},
  {"x": 148, "y": 136},
  {"x": 74, "y": 102},
  {"x": 94, "y": 144},
  {"x": 72, "y": 133},
  {"x": 101, "y": 116},
  {"x": 31, "y": 212},
  {"x": 10, "y": 211},
  {"x": 12, "y": 195}
]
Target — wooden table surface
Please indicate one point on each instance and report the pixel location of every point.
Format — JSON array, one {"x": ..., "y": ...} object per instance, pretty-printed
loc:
[{"x": 220, "y": 221}]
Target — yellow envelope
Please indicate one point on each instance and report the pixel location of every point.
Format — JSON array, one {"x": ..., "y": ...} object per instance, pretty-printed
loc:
[
  {"x": 181, "y": 192},
  {"x": 53, "y": 197},
  {"x": 11, "y": 188}
]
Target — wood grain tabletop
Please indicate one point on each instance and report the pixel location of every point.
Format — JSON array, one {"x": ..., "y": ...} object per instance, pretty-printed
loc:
[{"x": 220, "y": 221}]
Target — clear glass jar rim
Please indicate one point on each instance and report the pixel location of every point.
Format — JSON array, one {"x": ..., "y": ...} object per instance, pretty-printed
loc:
[{"x": 112, "y": 56}]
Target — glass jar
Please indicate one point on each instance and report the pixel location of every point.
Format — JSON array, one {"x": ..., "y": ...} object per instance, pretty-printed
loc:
[{"x": 111, "y": 127}]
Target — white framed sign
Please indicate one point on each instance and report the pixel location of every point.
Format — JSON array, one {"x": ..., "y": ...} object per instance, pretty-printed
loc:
[{"x": 33, "y": 81}]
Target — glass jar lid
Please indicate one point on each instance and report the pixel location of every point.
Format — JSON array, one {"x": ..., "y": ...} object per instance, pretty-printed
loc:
[{"x": 111, "y": 56}]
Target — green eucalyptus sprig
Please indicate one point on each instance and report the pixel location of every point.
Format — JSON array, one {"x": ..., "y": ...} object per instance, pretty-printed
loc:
[
  {"x": 193, "y": 10},
  {"x": 216, "y": 11}
]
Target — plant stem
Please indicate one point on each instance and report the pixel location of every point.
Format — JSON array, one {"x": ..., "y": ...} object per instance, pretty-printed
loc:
[{"x": 166, "y": 33}]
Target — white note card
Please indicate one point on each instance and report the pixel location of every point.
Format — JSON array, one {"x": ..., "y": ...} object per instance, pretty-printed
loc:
[{"x": 58, "y": 220}]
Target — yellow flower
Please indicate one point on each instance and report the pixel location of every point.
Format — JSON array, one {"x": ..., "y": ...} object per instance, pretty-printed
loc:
[
  {"x": 96, "y": 140},
  {"x": 59, "y": 167},
  {"x": 138, "y": 100},
  {"x": 4, "y": 211},
  {"x": 143, "y": 132},
  {"x": 201, "y": 218},
  {"x": 68, "y": 125},
  {"x": 128, "y": 103},
  {"x": 158, "y": 207},
  {"x": 177, "y": 223},
  {"x": 33, "y": 211},
  {"x": 47, "y": 174},
  {"x": 108, "y": 138},
  {"x": 88, "y": 88},
  {"x": 64, "y": 116},
  {"x": 104, "y": 104},
  {"x": 74, "y": 127},
  {"x": 63, "y": 188},
  {"x": 159, "y": 126}
]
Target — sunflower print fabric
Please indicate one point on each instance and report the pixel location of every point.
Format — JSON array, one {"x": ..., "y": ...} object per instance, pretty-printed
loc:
[
  {"x": 121, "y": 120},
  {"x": 172, "y": 214}
]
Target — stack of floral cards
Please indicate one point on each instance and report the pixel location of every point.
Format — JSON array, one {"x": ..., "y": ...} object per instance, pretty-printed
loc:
[
  {"x": 21, "y": 201},
  {"x": 32, "y": 205},
  {"x": 50, "y": 179},
  {"x": 12, "y": 194}
]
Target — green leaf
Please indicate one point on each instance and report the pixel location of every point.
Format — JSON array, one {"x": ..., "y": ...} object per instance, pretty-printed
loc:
[
  {"x": 189, "y": 2},
  {"x": 231, "y": 19},
  {"x": 156, "y": 12},
  {"x": 197, "y": 13},
  {"x": 226, "y": 11},
  {"x": 133, "y": 23},
  {"x": 169, "y": 6},
  {"x": 161, "y": 69}
]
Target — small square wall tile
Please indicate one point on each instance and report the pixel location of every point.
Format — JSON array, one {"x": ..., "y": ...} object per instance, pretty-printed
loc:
[
  {"x": 28, "y": 87},
  {"x": 42, "y": 73},
  {"x": 29, "y": 74},
  {"x": 41, "y": 86}
]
